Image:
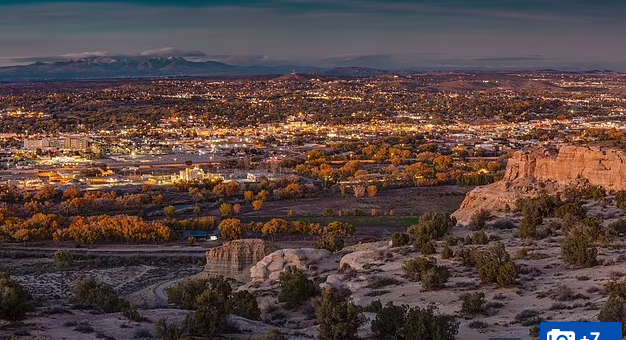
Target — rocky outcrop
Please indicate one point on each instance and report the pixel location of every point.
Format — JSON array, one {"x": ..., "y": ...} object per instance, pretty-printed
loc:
[
  {"x": 312, "y": 261},
  {"x": 532, "y": 172},
  {"x": 234, "y": 259}
]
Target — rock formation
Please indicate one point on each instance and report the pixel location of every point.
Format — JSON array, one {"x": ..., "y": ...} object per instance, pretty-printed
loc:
[
  {"x": 312, "y": 261},
  {"x": 234, "y": 259},
  {"x": 536, "y": 171}
]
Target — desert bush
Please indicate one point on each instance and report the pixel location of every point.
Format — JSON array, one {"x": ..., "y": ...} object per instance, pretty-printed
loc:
[
  {"x": 447, "y": 253},
  {"x": 467, "y": 256},
  {"x": 479, "y": 237},
  {"x": 63, "y": 259},
  {"x": 389, "y": 322},
  {"x": 503, "y": 224},
  {"x": 185, "y": 293},
  {"x": 620, "y": 199},
  {"x": 577, "y": 249},
  {"x": 451, "y": 241},
  {"x": 617, "y": 228},
  {"x": 244, "y": 304},
  {"x": 142, "y": 333},
  {"x": 428, "y": 248},
  {"x": 430, "y": 227},
  {"x": 128, "y": 310},
  {"x": 15, "y": 301},
  {"x": 295, "y": 288},
  {"x": 473, "y": 303},
  {"x": 210, "y": 316},
  {"x": 96, "y": 294},
  {"x": 332, "y": 243},
  {"x": 338, "y": 317},
  {"x": 414, "y": 268},
  {"x": 167, "y": 331},
  {"x": 435, "y": 278},
  {"x": 274, "y": 335},
  {"x": 613, "y": 309},
  {"x": 479, "y": 219},
  {"x": 423, "y": 323},
  {"x": 495, "y": 266},
  {"x": 399, "y": 239}
]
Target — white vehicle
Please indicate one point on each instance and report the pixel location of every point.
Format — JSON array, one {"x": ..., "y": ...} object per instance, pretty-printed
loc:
[{"x": 557, "y": 334}]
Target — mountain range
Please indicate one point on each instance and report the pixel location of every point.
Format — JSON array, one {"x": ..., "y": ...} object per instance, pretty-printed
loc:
[
  {"x": 150, "y": 66},
  {"x": 98, "y": 67}
]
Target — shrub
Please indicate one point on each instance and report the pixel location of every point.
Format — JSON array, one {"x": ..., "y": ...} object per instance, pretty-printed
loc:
[
  {"x": 295, "y": 288},
  {"x": 423, "y": 323},
  {"x": 479, "y": 237},
  {"x": 613, "y": 310},
  {"x": 338, "y": 317},
  {"x": 435, "y": 278},
  {"x": 447, "y": 253},
  {"x": 479, "y": 219},
  {"x": 129, "y": 311},
  {"x": 167, "y": 331},
  {"x": 428, "y": 248},
  {"x": 210, "y": 316},
  {"x": 244, "y": 304},
  {"x": 473, "y": 303},
  {"x": 451, "y": 240},
  {"x": 389, "y": 322},
  {"x": 577, "y": 249},
  {"x": 332, "y": 243},
  {"x": 430, "y": 227},
  {"x": 495, "y": 266},
  {"x": 15, "y": 301},
  {"x": 274, "y": 335},
  {"x": 63, "y": 259},
  {"x": 467, "y": 256},
  {"x": 620, "y": 199},
  {"x": 414, "y": 268},
  {"x": 185, "y": 293},
  {"x": 142, "y": 333},
  {"x": 97, "y": 294},
  {"x": 399, "y": 239}
]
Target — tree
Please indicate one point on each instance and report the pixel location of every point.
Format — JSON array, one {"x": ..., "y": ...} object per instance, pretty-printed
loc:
[
  {"x": 97, "y": 294},
  {"x": 430, "y": 227},
  {"x": 257, "y": 204},
  {"x": 232, "y": 229},
  {"x": 423, "y": 323},
  {"x": 399, "y": 239},
  {"x": 472, "y": 303},
  {"x": 428, "y": 248},
  {"x": 372, "y": 190},
  {"x": 577, "y": 249},
  {"x": 227, "y": 209},
  {"x": 210, "y": 316},
  {"x": 495, "y": 266},
  {"x": 389, "y": 322},
  {"x": 244, "y": 304},
  {"x": 295, "y": 288},
  {"x": 435, "y": 278},
  {"x": 63, "y": 259},
  {"x": 338, "y": 317},
  {"x": 170, "y": 211},
  {"x": 478, "y": 219},
  {"x": 15, "y": 301},
  {"x": 614, "y": 310},
  {"x": 185, "y": 293},
  {"x": 332, "y": 243}
]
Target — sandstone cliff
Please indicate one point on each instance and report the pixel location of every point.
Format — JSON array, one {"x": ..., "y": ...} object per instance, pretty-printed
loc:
[
  {"x": 312, "y": 261},
  {"x": 536, "y": 171},
  {"x": 234, "y": 259}
]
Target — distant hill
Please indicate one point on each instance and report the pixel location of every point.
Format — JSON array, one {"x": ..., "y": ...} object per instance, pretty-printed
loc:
[{"x": 131, "y": 67}]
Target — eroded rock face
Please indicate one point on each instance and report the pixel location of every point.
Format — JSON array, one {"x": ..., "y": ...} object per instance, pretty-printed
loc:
[
  {"x": 312, "y": 261},
  {"x": 234, "y": 259},
  {"x": 532, "y": 172}
]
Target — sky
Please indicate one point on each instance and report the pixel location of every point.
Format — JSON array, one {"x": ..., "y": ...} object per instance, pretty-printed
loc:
[{"x": 385, "y": 34}]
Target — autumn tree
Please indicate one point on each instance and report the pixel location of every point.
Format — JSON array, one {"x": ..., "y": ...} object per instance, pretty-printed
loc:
[
  {"x": 232, "y": 229},
  {"x": 372, "y": 191},
  {"x": 226, "y": 209},
  {"x": 257, "y": 204},
  {"x": 169, "y": 211}
]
